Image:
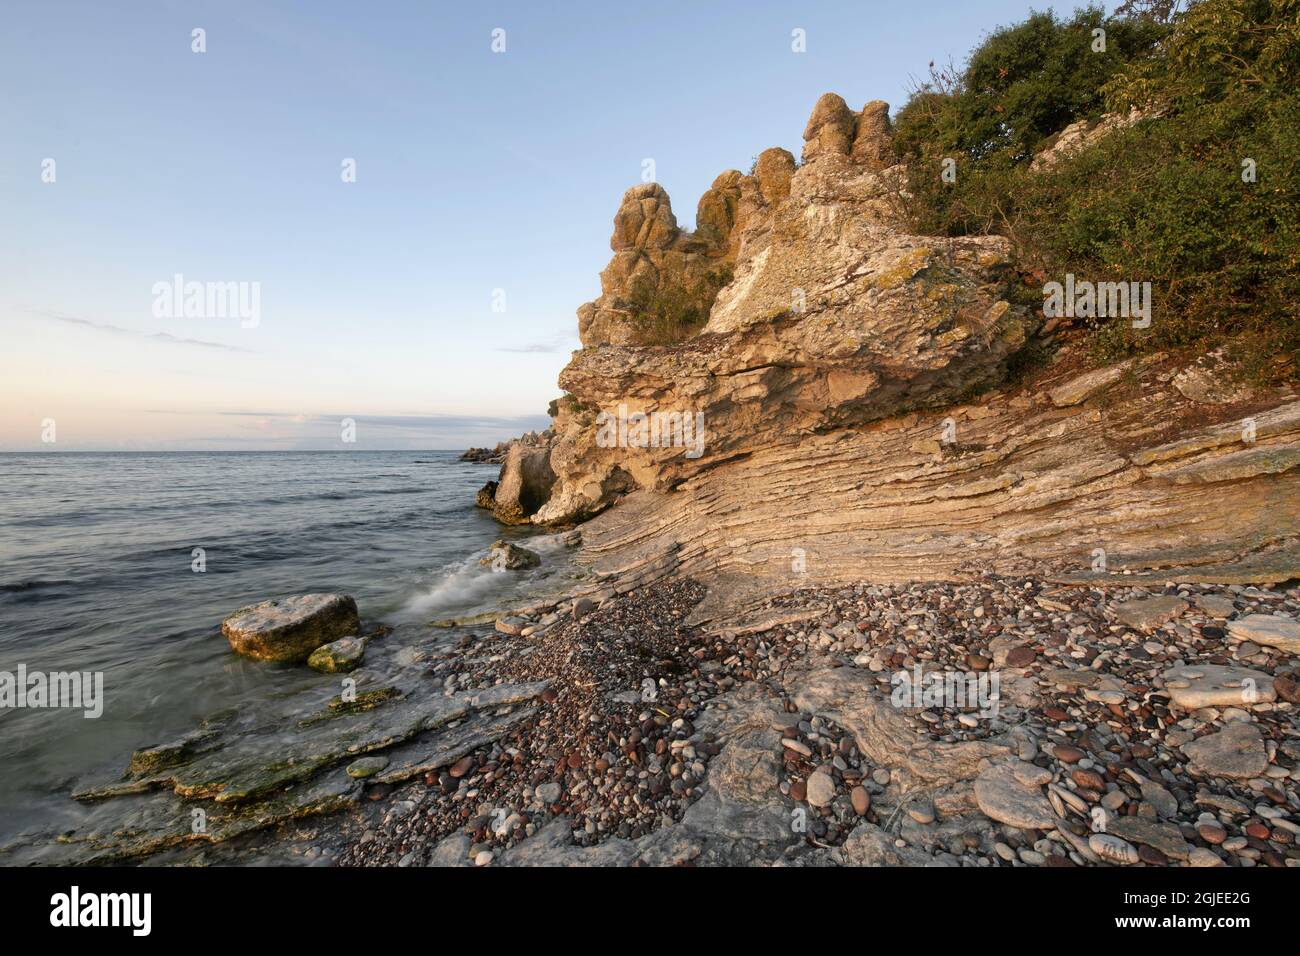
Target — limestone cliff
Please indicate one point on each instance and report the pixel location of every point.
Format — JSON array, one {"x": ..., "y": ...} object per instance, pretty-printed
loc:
[{"x": 834, "y": 381}]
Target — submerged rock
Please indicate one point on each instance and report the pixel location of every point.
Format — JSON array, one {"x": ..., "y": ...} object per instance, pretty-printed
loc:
[
  {"x": 289, "y": 629},
  {"x": 339, "y": 656}
]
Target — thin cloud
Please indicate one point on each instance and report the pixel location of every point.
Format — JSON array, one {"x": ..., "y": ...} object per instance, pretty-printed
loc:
[
  {"x": 524, "y": 422},
  {"x": 559, "y": 342},
  {"x": 165, "y": 337}
]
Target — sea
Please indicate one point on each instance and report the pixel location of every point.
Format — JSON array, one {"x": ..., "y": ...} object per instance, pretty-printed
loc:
[{"x": 125, "y": 565}]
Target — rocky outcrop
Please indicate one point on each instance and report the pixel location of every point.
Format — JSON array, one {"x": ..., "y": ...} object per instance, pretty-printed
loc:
[
  {"x": 1082, "y": 134},
  {"x": 835, "y": 317},
  {"x": 661, "y": 274},
  {"x": 289, "y": 629},
  {"x": 524, "y": 484},
  {"x": 486, "y": 456},
  {"x": 842, "y": 413}
]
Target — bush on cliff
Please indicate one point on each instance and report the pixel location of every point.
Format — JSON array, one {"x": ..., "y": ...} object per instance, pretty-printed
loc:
[
  {"x": 667, "y": 311},
  {"x": 1170, "y": 200}
]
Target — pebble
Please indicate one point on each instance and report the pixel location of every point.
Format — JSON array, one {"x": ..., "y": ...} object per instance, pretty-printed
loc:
[
  {"x": 921, "y": 812},
  {"x": 1113, "y": 849},
  {"x": 821, "y": 789},
  {"x": 861, "y": 800}
]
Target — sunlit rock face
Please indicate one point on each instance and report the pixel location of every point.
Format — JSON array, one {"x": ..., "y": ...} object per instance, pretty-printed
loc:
[
  {"x": 844, "y": 400},
  {"x": 832, "y": 315}
]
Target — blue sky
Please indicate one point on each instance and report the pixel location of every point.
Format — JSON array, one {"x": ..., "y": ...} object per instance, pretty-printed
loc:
[{"x": 475, "y": 171}]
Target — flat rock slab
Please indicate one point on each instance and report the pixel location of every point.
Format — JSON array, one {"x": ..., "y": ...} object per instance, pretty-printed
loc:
[
  {"x": 1216, "y": 605},
  {"x": 1271, "y": 460},
  {"x": 289, "y": 629},
  {"x": 1268, "y": 629},
  {"x": 1237, "y": 751},
  {"x": 1194, "y": 686},
  {"x": 1080, "y": 389},
  {"x": 1146, "y": 614},
  {"x": 851, "y": 698},
  {"x": 1012, "y": 793}
]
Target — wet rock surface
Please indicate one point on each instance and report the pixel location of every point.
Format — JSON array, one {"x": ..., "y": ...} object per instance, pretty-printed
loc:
[{"x": 289, "y": 629}]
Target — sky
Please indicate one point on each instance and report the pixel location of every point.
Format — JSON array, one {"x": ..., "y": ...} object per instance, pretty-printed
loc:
[{"x": 429, "y": 301}]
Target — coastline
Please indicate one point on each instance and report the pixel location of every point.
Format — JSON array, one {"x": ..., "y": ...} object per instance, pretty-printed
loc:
[{"x": 770, "y": 735}]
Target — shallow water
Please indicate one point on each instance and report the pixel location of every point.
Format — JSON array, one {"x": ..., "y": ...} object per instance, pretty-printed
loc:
[{"x": 96, "y": 555}]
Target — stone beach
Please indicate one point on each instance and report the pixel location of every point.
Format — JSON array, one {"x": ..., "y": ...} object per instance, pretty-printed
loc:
[{"x": 781, "y": 745}]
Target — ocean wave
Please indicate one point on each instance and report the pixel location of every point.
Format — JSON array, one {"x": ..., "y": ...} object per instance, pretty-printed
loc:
[{"x": 459, "y": 587}]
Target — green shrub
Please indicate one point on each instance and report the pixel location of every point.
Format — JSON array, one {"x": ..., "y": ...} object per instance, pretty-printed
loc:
[
  {"x": 666, "y": 312},
  {"x": 1162, "y": 201}
]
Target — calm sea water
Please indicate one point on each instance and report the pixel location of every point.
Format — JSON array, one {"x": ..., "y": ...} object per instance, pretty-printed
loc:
[{"x": 96, "y": 575}]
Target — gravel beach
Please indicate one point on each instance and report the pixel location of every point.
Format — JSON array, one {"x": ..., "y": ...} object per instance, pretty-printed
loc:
[{"x": 1133, "y": 726}]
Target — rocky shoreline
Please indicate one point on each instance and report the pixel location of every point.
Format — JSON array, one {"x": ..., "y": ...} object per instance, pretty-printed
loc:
[
  {"x": 1094, "y": 662},
  {"x": 635, "y": 722},
  {"x": 1125, "y": 735}
]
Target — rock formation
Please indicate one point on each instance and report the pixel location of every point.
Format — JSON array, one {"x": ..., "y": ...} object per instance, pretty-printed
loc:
[{"x": 850, "y": 384}]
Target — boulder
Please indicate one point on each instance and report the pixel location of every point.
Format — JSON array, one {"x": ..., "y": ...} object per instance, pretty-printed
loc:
[
  {"x": 487, "y": 496},
  {"x": 289, "y": 629},
  {"x": 1012, "y": 793},
  {"x": 505, "y": 556},
  {"x": 523, "y": 485}
]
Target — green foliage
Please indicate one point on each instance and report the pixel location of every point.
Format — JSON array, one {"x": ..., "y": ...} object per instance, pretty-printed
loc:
[
  {"x": 1161, "y": 201},
  {"x": 666, "y": 312},
  {"x": 1220, "y": 50},
  {"x": 1021, "y": 86}
]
